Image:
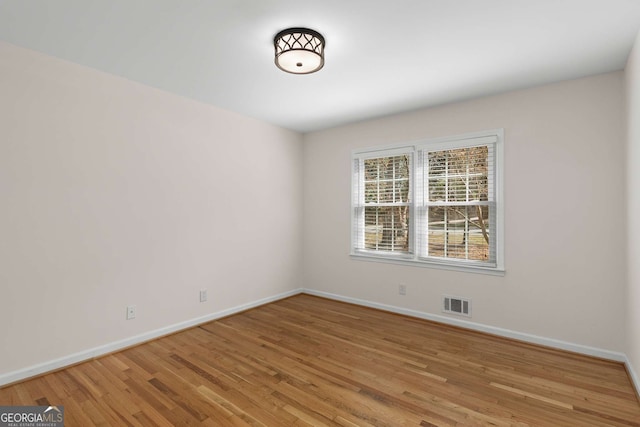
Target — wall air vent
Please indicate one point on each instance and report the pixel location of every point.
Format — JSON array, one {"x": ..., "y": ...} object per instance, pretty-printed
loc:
[{"x": 455, "y": 305}]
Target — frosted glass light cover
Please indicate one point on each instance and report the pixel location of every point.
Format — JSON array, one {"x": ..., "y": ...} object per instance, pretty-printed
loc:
[{"x": 299, "y": 50}]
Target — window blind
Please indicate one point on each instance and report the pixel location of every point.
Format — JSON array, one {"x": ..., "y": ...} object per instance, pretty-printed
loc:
[
  {"x": 457, "y": 212},
  {"x": 435, "y": 202},
  {"x": 382, "y": 200}
]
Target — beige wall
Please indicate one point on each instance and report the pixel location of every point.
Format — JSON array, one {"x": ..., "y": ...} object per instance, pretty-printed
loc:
[
  {"x": 113, "y": 193},
  {"x": 564, "y": 209},
  {"x": 632, "y": 73}
]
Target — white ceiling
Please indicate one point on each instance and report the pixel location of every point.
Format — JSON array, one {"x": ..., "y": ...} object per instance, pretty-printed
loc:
[{"x": 382, "y": 57}]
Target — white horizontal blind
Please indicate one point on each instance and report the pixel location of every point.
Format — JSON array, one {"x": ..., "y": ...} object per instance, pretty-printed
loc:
[
  {"x": 382, "y": 204},
  {"x": 437, "y": 202},
  {"x": 457, "y": 214}
]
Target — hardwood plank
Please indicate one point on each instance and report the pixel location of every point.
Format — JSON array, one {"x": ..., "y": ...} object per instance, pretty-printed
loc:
[{"x": 309, "y": 361}]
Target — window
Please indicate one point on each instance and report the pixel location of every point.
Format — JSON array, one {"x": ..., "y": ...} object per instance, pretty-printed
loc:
[
  {"x": 384, "y": 211},
  {"x": 437, "y": 202}
]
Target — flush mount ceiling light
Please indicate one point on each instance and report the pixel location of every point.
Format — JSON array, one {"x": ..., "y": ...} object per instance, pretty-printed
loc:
[{"x": 299, "y": 50}]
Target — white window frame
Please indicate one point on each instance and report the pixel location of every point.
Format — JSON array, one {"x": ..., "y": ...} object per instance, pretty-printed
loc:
[{"x": 417, "y": 251}]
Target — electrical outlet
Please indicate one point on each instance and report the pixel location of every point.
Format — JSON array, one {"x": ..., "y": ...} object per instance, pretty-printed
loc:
[
  {"x": 402, "y": 289},
  {"x": 131, "y": 312},
  {"x": 203, "y": 295}
]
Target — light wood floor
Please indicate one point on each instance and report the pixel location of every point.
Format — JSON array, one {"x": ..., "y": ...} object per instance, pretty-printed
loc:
[{"x": 311, "y": 361}]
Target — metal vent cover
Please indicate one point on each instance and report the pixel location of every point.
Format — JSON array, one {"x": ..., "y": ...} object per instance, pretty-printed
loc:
[{"x": 456, "y": 305}]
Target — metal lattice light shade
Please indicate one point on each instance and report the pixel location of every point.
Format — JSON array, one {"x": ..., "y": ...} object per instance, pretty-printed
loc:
[{"x": 299, "y": 50}]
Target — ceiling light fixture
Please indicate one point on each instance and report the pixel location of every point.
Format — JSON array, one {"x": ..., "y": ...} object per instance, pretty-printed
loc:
[{"x": 299, "y": 50}]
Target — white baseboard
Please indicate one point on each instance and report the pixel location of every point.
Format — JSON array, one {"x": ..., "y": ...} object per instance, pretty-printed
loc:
[
  {"x": 72, "y": 359},
  {"x": 520, "y": 336},
  {"x": 634, "y": 376},
  {"x": 91, "y": 353}
]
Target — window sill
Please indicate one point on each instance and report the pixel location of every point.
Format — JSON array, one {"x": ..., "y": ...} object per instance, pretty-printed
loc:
[{"x": 492, "y": 271}]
